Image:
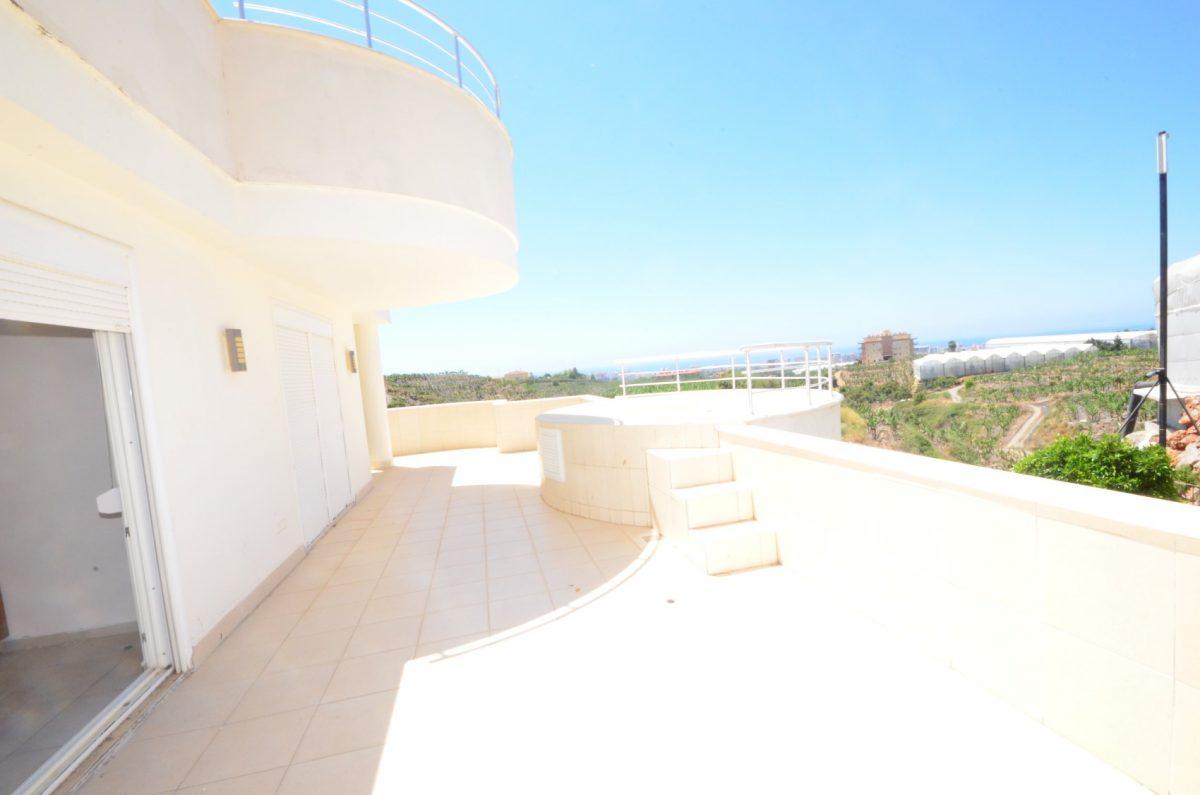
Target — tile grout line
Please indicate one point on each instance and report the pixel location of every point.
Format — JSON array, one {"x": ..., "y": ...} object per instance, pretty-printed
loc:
[{"x": 321, "y": 698}]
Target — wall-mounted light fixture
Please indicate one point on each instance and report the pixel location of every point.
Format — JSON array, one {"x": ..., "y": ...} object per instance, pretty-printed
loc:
[
  {"x": 351, "y": 361},
  {"x": 235, "y": 346}
]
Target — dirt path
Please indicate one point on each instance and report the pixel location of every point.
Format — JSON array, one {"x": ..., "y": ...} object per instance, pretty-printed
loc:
[
  {"x": 1023, "y": 433},
  {"x": 954, "y": 392}
]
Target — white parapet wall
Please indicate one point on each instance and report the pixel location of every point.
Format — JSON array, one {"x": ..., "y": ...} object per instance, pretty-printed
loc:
[
  {"x": 508, "y": 425},
  {"x": 1078, "y": 606}
]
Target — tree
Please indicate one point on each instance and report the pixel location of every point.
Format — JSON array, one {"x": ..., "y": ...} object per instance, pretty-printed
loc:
[{"x": 952, "y": 346}]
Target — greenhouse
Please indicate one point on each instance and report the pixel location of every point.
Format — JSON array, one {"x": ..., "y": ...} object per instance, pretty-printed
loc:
[{"x": 998, "y": 360}]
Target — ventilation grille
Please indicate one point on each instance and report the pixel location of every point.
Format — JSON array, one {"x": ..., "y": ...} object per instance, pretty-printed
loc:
[{"x": 550, "y": 447}]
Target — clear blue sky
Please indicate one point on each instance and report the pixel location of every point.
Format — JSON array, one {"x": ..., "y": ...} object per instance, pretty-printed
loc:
[{"x": 693, "y": 175}]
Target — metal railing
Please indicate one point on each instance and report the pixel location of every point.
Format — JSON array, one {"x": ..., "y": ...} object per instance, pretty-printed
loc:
[
  {"x": 745, "y": 366},
  {"x": 400, "y": 28}
]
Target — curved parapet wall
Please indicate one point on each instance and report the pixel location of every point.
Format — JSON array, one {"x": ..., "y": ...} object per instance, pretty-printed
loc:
[
  {"x": 601, "y": 445},
  {"x": 338, "y": 167}
]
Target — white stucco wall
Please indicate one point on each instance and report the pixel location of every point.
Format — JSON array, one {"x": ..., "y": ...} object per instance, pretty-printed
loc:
[
  {"x": 1078, "y": 606},
  {"x": 218, "y": 440},
  {"x": 63, "y": 567},
  {"x": 111, "y": 122}
]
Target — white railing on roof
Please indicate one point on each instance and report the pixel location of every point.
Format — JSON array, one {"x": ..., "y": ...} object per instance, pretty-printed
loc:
[
  {"x": 400, "y": 28},
  {"x": 740, "y": 368}
]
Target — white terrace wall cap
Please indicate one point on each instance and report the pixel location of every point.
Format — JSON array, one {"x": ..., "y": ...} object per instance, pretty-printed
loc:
[{"x": 1158, "y": 522}]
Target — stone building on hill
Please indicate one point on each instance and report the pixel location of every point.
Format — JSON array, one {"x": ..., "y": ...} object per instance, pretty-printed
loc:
[{"x": 886, "y": 347}]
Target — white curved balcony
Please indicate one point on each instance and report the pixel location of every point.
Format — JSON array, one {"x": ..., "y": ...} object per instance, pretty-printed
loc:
[
  {"x": 366, "y": 175},
  {"x": 399, "y": 28}
]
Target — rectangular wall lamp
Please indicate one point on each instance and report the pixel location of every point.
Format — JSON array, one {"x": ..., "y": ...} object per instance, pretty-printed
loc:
[{"x": 235, "y": 346}]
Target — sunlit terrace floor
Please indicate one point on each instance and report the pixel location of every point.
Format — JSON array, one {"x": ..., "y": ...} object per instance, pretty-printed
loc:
[{"x": 556, "y": 655}]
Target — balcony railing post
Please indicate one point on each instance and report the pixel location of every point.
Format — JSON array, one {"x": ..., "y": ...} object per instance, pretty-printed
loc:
[
  {"x": 367, "y": 22},
  {"x": 458, "y": 60},
  {"x": 241, "y": 9}
]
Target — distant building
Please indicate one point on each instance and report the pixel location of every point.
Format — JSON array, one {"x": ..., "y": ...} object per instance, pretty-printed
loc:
[
  {"x": 518, "y": 375},
  {"x": 886, "y": 347}
]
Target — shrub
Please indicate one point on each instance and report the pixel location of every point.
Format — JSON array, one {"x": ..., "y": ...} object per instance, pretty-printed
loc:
[{"x": 1107, "y": 462}]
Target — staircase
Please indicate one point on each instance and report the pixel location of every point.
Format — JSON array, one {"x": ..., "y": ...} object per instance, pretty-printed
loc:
[{"x": 699, "y": 506}]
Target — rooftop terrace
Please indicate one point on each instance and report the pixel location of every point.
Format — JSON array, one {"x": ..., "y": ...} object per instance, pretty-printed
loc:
[{"x": 453, "y": 634}]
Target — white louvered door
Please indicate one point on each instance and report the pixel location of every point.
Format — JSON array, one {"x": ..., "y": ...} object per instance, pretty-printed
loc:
[
  {"x": 300, "y": 397},
  {"x": 308, "y": 371},
  {"x": 329, "y": 424}
]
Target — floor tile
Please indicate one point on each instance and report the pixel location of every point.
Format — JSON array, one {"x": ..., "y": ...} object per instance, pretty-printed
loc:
[
  {"x": 373, "y": 673},
  {"x": 326, "y": 619},
  {"x": 517, "y": 585},
  {"x": 458, "y": 575},
  {"x": 364, "y": 573},
  {"x": 188, "y": 707},
  {"x": 403, "y": 584},
  {"x": 388, "y": 608},
  {"x": 283, "y": 692},
  {"x": 508, "y": 567},
  {"x": 558, "y": 558},
  {"x": 511, "y": 612},
  {"x": 347, "y": 726},
  {"x": 509, "y": 549},
  {"x": 351, "y": 773},
  {"x": 15, "y": 768},
  {"x": 459, "y": 557},
  {"x": 399, "y": 633},
  {"x": 452, "y": 596},
  {"x": 262, "y": 783},
  {"x": 152, "y": 765},
  {"x": 325, "y": 647},
  {"x": 344, "y": 594},
  {"x": 250, "y": 747},
  {"x": 454, "y": 623}
]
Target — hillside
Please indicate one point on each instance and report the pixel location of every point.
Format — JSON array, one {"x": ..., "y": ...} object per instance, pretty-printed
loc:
[
  {"x": 991, "y": 419},
  {"x": 419, "y": 389}
]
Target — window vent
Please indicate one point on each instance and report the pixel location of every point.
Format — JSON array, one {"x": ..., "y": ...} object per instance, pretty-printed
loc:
[{"x": 550, "y": 447}]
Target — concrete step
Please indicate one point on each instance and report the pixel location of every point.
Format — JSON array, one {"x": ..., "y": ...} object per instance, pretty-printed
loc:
[
  {"x": 715, "y": 503},
  {"x": 687, "y": 467},
  {"x": 727, "y": 548},
  {"x": 680, "y": 510}
]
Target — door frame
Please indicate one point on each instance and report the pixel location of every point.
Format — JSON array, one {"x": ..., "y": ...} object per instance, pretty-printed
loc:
[{"x": 130, "y": 466}]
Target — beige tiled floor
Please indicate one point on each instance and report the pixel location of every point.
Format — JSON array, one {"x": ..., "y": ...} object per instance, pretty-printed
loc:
[
  {"x": 394, "y": 659},
  {"x": 446, "y": 549},
  {"x": 48, "y": 694}
]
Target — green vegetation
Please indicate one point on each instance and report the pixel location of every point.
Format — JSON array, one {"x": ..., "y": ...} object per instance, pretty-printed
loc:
[
  {"x": 419, "y": 389},
  {"x": 1107, "y": 462},
  {"x": 854, "y": 427},
  {"x": 1089, "y": 392},
  {"x": 1085, "y": 394},
  {"x": 967, "y": 432}
]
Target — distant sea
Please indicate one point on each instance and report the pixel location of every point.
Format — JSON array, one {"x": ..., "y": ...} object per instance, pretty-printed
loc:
[{"x": 852, "y": 349}]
